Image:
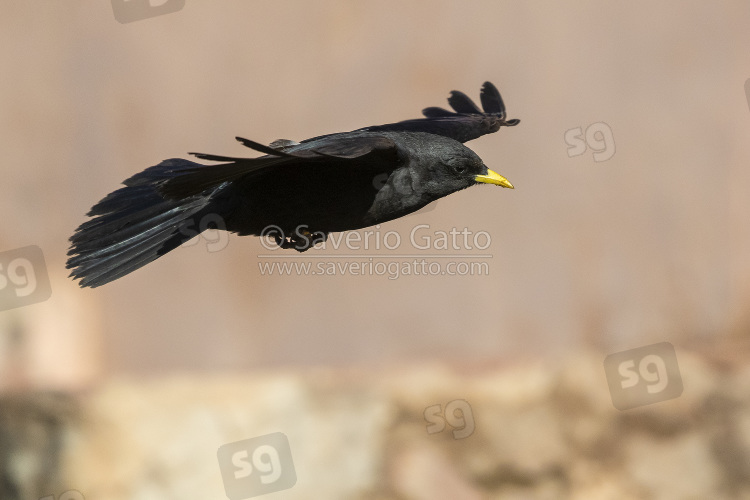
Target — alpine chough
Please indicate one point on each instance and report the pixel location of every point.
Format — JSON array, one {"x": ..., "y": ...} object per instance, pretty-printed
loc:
[{"x": 297, "y": 192}]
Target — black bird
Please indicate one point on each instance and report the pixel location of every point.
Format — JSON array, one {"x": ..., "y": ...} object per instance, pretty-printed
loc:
[{"x": 298, "y": 192}]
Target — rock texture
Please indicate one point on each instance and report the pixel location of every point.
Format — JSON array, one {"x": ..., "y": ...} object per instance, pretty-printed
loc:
[{"x": 541, "y": 430}]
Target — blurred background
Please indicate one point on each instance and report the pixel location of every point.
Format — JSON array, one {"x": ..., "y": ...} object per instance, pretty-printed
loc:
[{"x": 627, "y": 228}]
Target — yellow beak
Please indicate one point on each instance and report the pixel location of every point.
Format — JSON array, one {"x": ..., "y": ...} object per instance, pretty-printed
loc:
[{"x": 494, "y": 178}]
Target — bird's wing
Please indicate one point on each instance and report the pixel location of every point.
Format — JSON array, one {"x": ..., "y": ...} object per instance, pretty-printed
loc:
[
  {"x": 346, "y": 150},
  {"x": 467, "y": 123}
]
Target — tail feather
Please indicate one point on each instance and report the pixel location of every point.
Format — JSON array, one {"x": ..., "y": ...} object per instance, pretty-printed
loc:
[
  {"x": 113, "y": 230},
  {"x": 136, "y": 225},
  {"x": 130, "y": 255},
  {"x": 112, "y": 244}
]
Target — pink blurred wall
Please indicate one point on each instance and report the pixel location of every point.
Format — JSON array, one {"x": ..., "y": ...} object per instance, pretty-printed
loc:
[{"x": 650, "y": 245}]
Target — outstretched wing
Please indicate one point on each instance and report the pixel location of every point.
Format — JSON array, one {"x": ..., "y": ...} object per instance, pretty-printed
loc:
[
  {"x": 467, "y": 123},
  {"x": 346, "y": 150}
]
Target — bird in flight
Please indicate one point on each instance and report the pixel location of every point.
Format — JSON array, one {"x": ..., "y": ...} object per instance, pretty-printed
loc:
[{"x": 297, "y": 192}]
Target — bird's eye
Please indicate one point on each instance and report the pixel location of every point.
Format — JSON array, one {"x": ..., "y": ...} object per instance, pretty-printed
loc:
[{"x": 459, "y": 169}]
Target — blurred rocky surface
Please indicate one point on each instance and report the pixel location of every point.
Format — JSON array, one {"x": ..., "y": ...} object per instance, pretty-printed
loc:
[
  {"x": 541, "y": 430},
  {"x": 33, "y": 430}
]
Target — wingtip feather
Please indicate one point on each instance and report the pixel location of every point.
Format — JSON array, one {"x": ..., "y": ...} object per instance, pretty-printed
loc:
[
  {"x": 491, "y": 100},
  {"x": 462, "y": 103}
]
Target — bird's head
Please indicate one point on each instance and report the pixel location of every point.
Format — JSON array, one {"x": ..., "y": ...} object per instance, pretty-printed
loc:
[{"x": 459, "y": 169}]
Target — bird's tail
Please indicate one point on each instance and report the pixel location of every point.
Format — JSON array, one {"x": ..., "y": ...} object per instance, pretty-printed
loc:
[{"x": 137, "y": 224}]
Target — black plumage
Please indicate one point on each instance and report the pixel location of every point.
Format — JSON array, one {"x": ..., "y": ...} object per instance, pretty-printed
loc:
[{"x": 303, "y": 190}]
